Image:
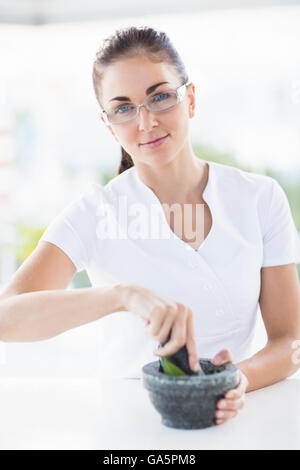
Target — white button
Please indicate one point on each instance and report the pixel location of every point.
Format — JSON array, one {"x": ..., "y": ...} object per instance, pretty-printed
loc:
[
  {"x": 193, "y": 261},
  {"x": 207, "y": 286},
  {"x": 219, "y": 312},
  {"x": 188, "y": 247},
  {"x": 193, "y": 264}
]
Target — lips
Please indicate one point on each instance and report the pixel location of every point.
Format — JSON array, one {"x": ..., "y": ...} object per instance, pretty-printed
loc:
[{"x": 156, "y": 140}]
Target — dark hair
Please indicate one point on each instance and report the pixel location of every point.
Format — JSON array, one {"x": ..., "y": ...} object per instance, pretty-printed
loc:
[{"x": 128, "y": 42}]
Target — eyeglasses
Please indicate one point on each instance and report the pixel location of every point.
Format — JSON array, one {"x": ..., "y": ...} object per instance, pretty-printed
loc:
[{"x": 156, "y": 104}]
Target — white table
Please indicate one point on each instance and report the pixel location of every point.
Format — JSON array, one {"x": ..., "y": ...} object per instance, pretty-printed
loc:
[{"x": 90, "y": 413}]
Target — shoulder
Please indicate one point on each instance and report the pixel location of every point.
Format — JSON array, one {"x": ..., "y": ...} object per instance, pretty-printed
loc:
[
  {"x": 241, "y": 179},
  {"x": 121, "y": 181},
  {"x": 235, "y": 184},
  {"x": 252, "y": 193},
  {"x": 96, "y": 192},
  {"x": 91, "y": 200}
]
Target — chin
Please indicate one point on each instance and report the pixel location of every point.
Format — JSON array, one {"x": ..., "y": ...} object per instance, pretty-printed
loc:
[{"x": 160, "y": 159}]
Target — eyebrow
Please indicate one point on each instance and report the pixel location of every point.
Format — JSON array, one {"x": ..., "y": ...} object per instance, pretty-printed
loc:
[{"x": 148, "y": 92}]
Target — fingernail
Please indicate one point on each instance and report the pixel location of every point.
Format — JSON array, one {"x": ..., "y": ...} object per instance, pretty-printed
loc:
[{"x": 217, "y": 359}]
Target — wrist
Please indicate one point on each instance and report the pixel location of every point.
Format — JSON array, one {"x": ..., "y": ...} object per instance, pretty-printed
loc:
[{"x": 122, "y": 292}]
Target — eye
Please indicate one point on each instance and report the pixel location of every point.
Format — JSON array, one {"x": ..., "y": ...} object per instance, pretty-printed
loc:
[
  {"x": 160, "y": 97},
  {"x": 123, "y": 108}
]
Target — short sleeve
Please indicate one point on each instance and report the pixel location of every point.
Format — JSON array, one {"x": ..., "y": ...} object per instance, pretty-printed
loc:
[
  {"x": 281, "y": 242},
  {"x": 72, "y": 230}
]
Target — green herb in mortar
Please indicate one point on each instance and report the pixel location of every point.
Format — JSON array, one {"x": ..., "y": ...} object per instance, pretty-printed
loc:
[
  {"x": 170, "y": 368},
  {"x": 177, "y": 363}
]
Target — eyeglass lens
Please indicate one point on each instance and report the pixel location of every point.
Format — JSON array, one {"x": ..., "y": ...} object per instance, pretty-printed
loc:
[{"x": 157, "y": 103}]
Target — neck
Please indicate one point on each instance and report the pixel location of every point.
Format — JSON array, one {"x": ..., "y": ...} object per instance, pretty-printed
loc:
[{"x": 182, "y": 180}]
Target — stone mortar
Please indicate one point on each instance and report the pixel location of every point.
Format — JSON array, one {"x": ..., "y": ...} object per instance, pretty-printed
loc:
[{"x": 189, "y": 402}]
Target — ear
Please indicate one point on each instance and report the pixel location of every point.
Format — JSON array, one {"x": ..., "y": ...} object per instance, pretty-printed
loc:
[
  {"x": 109, "y": 127},
  {"x": 192, "y": 100}
]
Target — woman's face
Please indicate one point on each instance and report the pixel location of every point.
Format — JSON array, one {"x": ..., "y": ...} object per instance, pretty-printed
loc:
[{"x": 131, "y": 78}]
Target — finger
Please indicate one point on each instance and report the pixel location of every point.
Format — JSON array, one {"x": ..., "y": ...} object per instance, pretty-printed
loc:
[
  {"x": 154, "y": 323},
  {"x": 223, "y": 356},
  {"x": 191, "y": 343},
  {"x": 165, "y": 329},
  {"x": 242, "y": 386},
  {"x": 225, "y": 414},
  {"x": 244, "y": 382},
  {"x": 230, "y": 404},
  {"x": 178, "y": 336},
  {"x": 176, "y": 341},
  {"x": 240, "y": 389},
  {"x": 236, "y": 404}
]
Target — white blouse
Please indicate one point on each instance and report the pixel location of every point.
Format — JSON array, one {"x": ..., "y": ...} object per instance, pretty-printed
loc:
[{"x": 252, "y": 228}]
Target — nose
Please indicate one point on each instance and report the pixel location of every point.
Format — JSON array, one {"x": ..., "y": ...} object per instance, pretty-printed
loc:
[{"x": 146, "y": 119}]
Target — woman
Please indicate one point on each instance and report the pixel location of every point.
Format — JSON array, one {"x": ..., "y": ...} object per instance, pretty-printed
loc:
[{"x": 204, "y": 288}]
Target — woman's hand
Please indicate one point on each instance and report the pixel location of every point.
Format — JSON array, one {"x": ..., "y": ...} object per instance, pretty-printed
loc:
[
  {"x": 235, "y": 398},
  {"x": 162, "y": 314}
]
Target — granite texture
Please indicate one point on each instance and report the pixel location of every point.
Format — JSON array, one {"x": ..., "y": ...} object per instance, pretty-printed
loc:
[{"x": 189, "y": 402}]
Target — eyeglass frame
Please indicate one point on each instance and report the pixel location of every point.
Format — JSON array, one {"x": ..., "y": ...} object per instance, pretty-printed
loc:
[{"x": 138, "y": 106}]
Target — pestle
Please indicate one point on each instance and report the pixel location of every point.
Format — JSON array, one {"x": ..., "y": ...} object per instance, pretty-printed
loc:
[{"x": 179, "y": 360}]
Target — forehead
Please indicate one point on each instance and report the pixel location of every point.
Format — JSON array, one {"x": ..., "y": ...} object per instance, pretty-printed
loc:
[{"x": 131, "y": 77}]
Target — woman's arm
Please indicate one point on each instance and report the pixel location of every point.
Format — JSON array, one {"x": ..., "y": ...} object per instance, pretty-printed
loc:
[
  {"x": 35, "y": 304},
  {"x": 280, "y": 309},
  {"x": 36, "y": 316}
]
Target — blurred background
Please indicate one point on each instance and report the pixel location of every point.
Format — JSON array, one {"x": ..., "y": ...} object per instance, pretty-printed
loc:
[{"x": 243, "y": 57}]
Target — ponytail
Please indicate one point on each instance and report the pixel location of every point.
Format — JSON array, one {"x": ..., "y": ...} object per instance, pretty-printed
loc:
[{"x": 126, "y": 161}]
